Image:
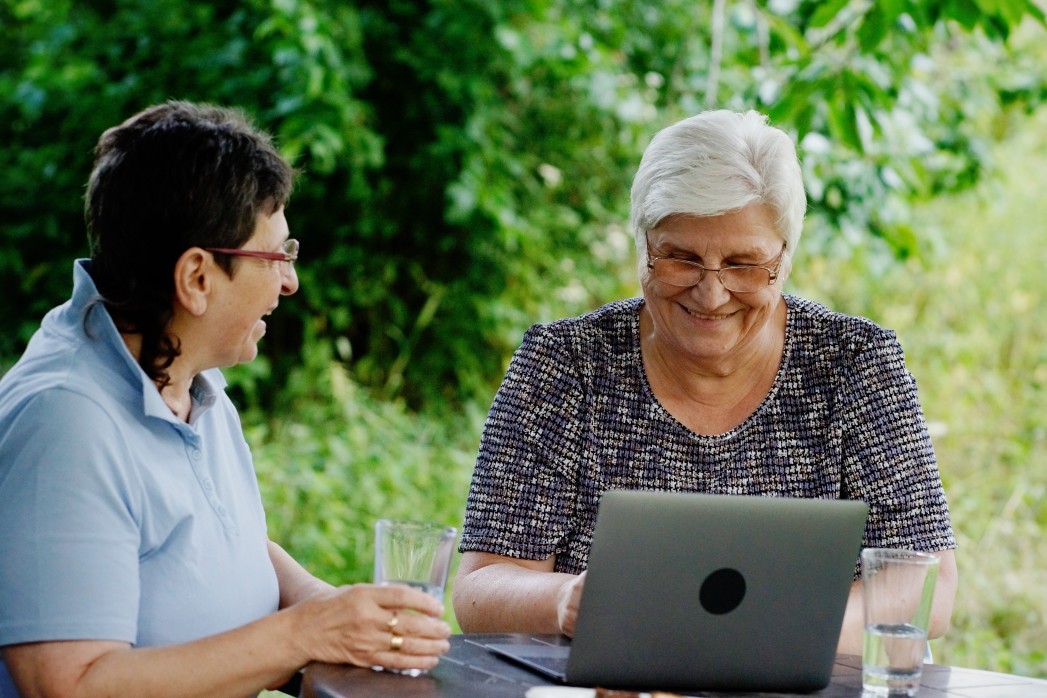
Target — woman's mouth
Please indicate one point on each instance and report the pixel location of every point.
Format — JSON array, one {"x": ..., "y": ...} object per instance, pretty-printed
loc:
[{"x": 706, "y": 316}]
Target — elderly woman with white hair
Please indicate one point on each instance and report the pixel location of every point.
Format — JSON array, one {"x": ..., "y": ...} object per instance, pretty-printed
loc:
[{"x": 714, "y": 381}]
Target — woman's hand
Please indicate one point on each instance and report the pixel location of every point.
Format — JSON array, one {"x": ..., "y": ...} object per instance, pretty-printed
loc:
[
  {"x": 352, "y": 625},
  {"x": 392, "y": 626},
  {"x": 567, "y": 602}
]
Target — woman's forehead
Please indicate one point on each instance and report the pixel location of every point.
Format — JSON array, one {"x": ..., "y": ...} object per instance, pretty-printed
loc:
[{"x": 751, "y": 229}]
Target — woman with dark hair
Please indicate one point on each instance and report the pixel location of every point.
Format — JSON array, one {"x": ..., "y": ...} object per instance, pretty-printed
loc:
[{"x": 136, "y": 558}]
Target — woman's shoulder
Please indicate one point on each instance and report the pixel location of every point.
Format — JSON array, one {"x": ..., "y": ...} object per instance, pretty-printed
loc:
[
  {"x": 616, "y": 317},
  {"x": 816, "y": 323},
  {"x": 608, "y": 330}
]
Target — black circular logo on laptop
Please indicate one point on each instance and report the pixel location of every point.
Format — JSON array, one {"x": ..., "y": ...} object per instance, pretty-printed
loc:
[{"x": 722, "y": 591}]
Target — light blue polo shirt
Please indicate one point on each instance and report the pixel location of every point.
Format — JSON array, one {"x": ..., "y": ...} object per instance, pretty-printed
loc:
[{"x": 119, "y": 521}]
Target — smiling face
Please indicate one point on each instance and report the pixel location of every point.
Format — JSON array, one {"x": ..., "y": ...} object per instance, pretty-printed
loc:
[
  {"x": 252, "y": 293},
  {"x": 706, "y": 324}
]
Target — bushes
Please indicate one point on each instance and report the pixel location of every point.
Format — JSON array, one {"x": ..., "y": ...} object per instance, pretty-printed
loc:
[
  {"x": 975, "y": 337},
  {"x": 332, "y": 460},
  {"x": 466, "y": 164},
  {"x": 465, "y": 173}
]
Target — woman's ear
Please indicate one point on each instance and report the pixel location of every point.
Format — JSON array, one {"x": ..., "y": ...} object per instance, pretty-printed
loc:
[
  {"x": 192, "y": 279},
  {"x": 787, "y": 266}
]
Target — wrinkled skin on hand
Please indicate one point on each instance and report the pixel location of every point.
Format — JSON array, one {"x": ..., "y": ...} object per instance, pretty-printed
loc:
[{"x": 351, "y": 625}]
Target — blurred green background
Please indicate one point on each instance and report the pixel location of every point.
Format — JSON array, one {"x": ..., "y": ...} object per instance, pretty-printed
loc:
[{"x": 465, "y": 168}]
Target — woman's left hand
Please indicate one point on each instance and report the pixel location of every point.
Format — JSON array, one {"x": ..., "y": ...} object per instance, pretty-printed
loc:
[{"x": 391, "y": 626}]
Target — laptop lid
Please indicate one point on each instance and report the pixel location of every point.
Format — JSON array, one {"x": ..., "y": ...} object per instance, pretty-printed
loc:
[{"x": 697, "y": 591}]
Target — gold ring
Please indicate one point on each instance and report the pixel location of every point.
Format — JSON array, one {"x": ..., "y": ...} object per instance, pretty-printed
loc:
[
  {"x": 392, "y": 623},
  {"x": 396, "y": 642}
]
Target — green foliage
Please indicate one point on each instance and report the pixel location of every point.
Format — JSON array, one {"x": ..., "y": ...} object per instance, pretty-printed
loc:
[
  {"x": 974, "y": 332},
  {"x": 332, "y": 460},
  {"x": 466, "y": 164},
  {"x": 465, "y": 172},
  {"x": 974, "y": 328}
]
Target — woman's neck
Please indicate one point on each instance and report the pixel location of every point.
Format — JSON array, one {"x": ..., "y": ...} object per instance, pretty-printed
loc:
[
  {"x": 175, "y": 393},
  {"x": 712, "y": 397}
]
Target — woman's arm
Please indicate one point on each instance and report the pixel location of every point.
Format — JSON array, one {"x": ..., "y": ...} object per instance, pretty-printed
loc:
[
  {"x": 525, "y": 480},
  {"x": 495, "y": 593},
  {"x": 296, "y": 583},
  {"x": 343, "y": 625},
  {"x": 889, "y": 462}
]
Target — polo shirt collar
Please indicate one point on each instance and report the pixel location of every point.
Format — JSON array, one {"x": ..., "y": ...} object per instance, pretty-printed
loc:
[{"x": 99, "y": 324}]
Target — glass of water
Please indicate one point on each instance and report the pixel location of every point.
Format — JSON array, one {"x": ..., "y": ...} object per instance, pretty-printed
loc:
[
  {"x": 898, "y": 589},
  {"x": 415, "y": 553}
]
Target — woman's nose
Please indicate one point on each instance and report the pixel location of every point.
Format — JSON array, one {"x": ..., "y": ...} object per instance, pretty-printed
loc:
[
  {"x": 710, "y": 290},
  {"x": 290, "y": 279}
]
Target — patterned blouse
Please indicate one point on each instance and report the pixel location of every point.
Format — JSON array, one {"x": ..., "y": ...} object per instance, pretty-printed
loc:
[{"x": 575, "y": 416}]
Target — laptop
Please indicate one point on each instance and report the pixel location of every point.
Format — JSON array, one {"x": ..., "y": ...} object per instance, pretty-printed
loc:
[{"x": 708, "y": 592}]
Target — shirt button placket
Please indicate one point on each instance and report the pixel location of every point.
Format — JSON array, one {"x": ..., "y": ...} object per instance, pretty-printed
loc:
[{"x": 208, "y": 486}]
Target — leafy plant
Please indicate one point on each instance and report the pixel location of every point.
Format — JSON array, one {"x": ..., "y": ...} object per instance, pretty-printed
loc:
[
  {"x": 332, "y": 460},
  {"x": 466, "y": 164},
  {"x": 970, "y": 320},
  {"x": 465, "y": 169}
]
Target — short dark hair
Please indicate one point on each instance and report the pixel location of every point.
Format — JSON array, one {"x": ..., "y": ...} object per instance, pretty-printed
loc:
[{"x": 173, "y": 176}]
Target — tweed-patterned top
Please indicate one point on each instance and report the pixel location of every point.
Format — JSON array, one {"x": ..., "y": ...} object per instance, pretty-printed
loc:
[{"x": 575, "y": 416}]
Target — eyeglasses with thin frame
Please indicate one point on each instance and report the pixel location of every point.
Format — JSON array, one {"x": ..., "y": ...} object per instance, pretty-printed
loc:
[
  {"x": 738, "y": 278},
  {"x": 288, "y": 252}
]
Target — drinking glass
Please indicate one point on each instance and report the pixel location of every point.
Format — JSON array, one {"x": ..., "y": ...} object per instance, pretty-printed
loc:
[
  {"x": 415, "y": 553},
  {"x": 898, "y": 588}
]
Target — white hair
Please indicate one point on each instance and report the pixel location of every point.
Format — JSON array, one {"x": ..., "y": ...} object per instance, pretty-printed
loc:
[{"x": 714, "y": 163}]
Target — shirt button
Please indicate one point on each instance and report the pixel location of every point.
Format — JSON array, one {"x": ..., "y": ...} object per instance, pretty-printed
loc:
[{"x": 208, "y": 485}]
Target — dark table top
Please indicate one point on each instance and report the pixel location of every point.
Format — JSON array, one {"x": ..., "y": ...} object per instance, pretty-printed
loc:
[{"x": 470, "y": 670}]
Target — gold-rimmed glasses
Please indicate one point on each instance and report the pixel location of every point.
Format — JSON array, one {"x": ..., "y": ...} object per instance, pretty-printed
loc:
[{"x": 738, "y": 278}]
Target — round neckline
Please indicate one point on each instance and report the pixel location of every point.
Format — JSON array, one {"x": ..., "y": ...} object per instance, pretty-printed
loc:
[{"x": 787, "y": 349}]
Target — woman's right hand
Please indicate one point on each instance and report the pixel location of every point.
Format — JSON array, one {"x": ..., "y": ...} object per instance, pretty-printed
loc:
[
  {"x": 567, "y": 601},
  {"x": 357, "y": 625}
]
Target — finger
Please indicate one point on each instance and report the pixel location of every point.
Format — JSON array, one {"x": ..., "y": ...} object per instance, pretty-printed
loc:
[
  {"x": 402, "y": 596},
  {"x": 417, "y": 647},
  {"x": 395, "y": 660},
  {"x": 414, "y": 625}
]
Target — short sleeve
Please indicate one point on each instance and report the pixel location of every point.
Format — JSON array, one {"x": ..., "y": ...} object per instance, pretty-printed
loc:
[
  {"x": 524, "y": 488},
  {"x": 889, "y": 459},
  {"x": 67, "y": 511}
]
